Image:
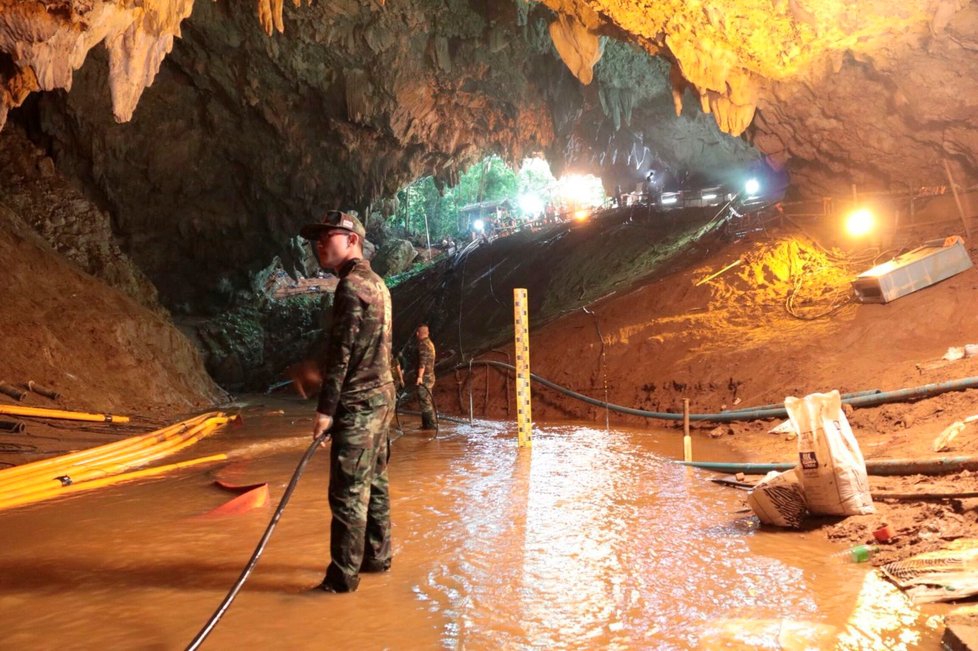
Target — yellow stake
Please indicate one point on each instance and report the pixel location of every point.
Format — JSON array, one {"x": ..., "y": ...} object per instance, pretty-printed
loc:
[
  {"x": 522, "y": 332},
  {"x": 687, "y": 440}
]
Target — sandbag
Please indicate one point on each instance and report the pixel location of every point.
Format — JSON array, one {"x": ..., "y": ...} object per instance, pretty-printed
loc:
[
  {"x": 831, "y": 467},
  {"x": 778, "y": 499}
]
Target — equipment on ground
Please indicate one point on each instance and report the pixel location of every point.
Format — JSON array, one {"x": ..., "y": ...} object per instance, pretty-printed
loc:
[{"x": 924, "y": 266}]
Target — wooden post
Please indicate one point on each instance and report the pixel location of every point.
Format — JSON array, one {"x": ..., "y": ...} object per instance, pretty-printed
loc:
[
  {"x": 957, "y": 200},
  {"x": 687, "y": 440}
]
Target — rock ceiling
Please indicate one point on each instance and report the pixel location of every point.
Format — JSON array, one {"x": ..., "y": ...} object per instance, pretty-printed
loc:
[{"x": 210, "y": 130}]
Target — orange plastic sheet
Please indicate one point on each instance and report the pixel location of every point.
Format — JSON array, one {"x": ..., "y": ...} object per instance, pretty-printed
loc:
[{"x": 250, "y": 497}]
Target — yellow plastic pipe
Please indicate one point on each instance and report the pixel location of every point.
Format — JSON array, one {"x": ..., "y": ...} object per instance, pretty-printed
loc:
[
  {"x": 112, "y": 458},
  {"x": 114, "y": 463},
  {"x": 38, "y": 412},
  {"x": 97, "y": 452},
  {"x": 82, "y": 475},
  {"x": 107, "y": 481}
]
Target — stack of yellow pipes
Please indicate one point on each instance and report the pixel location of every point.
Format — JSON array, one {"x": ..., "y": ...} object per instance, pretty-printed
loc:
[{"x": 106, "y": 464}]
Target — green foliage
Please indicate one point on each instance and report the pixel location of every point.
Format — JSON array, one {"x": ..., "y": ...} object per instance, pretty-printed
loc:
[{"x": 488, "y": 180}]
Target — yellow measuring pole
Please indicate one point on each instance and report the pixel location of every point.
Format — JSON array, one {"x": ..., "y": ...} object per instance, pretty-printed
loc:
[{"x": 524, "y": 419}]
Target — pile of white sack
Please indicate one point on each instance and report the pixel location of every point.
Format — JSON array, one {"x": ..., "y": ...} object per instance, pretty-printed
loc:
[{"x": 830, "y": 478}]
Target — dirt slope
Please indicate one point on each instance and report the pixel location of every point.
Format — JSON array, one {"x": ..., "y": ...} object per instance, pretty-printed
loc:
[{"x": 70, "y": 331}]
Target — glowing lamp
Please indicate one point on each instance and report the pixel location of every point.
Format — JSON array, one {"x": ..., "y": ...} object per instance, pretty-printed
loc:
[
  {"x": 581, "y": 215},
  {"x": 753, "y": 186},
  {"x": 531, "y": 204},
  {"x": 479, "y": 225},
  {"x": 860, "y": 223}
]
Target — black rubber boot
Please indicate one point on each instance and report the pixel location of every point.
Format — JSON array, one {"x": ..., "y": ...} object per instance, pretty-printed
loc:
[
  {"x": 373, "y": 566},
  {"x": 427, "y": 421}
]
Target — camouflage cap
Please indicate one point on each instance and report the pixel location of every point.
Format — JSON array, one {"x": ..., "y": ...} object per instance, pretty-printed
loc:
[{"x": 333, "y": 220}]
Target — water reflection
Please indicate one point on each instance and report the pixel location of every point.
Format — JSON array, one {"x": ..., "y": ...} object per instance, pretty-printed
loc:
[{"x": 591, "y": 539}]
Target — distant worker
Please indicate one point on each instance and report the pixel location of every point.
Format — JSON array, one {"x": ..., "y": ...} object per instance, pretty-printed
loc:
[
  {"x": 397, "y": 373},
  {"x": 426, "y": 377},
  {"x": 356, "y": 404}
]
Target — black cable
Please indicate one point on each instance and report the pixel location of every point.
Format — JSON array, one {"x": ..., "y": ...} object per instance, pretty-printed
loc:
[{"x": 253, "y": 561}]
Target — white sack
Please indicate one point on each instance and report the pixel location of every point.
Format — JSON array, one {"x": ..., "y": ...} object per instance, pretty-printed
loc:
[
  {"x": 777, "y": 499},
  {"x": 831, "y": 468}
]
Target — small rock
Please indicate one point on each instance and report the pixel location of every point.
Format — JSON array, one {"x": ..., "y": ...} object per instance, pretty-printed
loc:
[
  {"x": 45, "y": 167},
  {"x": 717, "y": 432},
  {"x": 847, "y": 410}
]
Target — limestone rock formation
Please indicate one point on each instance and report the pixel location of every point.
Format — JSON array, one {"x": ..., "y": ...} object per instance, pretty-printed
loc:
[
  {"x": 578, "y": 47},
  {"x": 244, "y": 137},
  {"x": 394, "y": 257},
  {"x": 69, "y": 222},
  {"x": 44, "y": 42}
]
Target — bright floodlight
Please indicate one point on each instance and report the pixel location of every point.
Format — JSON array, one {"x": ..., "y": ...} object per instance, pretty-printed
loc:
[
  {"x": 531, "y": 204},
  {"x": 479, "y": 225},
  {"x": 860, "y": 222},
  {"x": 580, "y": 190},
  {"x": 668, "y": 199},
  {"x": 752, "y": 186},
  {"x": 581, "y": 215}
]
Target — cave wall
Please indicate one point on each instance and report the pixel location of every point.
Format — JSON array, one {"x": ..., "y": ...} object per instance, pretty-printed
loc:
[
  {"x": 255, "y": 123},
  {"x": 869, "y": 92},
  {"x": 243, "y": 136}
]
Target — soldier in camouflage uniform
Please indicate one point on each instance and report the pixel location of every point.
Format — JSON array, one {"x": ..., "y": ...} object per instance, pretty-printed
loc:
[
  {"x": 426, "y": 377},
  {"x": 356, "y": 405}
]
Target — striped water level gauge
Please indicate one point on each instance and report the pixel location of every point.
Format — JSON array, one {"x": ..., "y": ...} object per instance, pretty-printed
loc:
[{"x": 524, "y": 419}]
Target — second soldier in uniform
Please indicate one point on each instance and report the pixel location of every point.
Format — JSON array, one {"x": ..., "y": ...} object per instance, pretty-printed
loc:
[{"x": 426, "y": 377}]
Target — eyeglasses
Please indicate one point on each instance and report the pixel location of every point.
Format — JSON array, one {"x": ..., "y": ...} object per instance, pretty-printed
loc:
[{"x": 325, "y": 236}]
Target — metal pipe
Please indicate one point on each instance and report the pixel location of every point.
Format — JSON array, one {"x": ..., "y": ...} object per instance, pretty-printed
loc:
[
  {"x": 47, "y": 393},
  {"x": 12, "y": 391}
]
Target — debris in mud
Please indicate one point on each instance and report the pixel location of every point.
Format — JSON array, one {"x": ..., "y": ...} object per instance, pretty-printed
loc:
[{"x": 946, "y": 574}]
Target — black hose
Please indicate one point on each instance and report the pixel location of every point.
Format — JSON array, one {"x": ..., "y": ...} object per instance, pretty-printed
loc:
[
  {"x": 441, "y": 417},
  {"x": 253, "y": 561},
  {"x": 860, "y": 399}
]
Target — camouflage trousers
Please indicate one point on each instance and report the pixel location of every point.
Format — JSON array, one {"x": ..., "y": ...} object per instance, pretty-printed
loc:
[
  {"x": 359, "y": 497},
  {"x": 427, "y": 405}
]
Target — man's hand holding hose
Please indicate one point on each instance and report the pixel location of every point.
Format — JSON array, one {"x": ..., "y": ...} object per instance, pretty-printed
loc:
[{"x": 320, "y": 424}]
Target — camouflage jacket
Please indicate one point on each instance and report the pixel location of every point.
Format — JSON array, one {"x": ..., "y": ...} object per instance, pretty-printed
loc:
[
  {"x": 358, "y": 350},
  {"x": 426, "y": 359}
]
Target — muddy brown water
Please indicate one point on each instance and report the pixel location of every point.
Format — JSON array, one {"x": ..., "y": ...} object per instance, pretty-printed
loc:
[{"x": 591, "y": 540}]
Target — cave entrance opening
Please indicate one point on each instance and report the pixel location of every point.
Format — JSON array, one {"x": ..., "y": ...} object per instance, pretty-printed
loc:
[{"x": 492, "y": 198}]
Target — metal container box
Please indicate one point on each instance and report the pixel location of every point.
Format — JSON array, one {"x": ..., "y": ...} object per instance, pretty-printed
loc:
[{"x": 911, "y": 271}]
